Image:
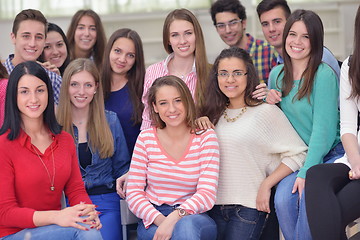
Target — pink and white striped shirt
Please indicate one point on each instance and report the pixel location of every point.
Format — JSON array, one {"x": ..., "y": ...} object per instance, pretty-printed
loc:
[
  {"x": 156, "y": 178},
  {"x": 155, "y": 71},
  {"x": 3, "y": 86}
]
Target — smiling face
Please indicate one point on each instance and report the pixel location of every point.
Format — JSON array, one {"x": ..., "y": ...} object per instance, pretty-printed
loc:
[
  {"x": 32, "y": 97},
  {"x": 29, "y": 41},
  {"x": 122, "y": 56},
  {"x": 232, "y": 34},
  {"x": 182, "y": 38},
  {"x": 297, "y": 43},
  {"x": 272, "y": 25},
  {"x": 82, "y": 88},
  {"x": 55, "y": 49},
  {"x": 233, "y": 85},
  {"x": 85, "y": 34},
  {"x": 169, "y": 106}
]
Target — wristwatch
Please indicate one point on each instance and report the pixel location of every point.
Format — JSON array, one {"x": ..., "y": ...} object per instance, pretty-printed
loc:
[{"x": 182, "y": 212}]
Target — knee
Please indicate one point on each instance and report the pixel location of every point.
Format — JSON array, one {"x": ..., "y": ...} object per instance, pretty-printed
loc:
[
  {"x": 282, "y": 199},
  {"x": 198, "y": 226},
  {"x": 91, "y": 234},
  {"x": 317, "y": 172}
]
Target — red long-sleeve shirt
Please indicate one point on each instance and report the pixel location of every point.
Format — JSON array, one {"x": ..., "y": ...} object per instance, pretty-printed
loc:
[{"x": 25, "y": 184}]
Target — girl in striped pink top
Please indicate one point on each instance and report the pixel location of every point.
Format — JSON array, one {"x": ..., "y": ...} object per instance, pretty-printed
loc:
[
  {"x": 174, "y": 170},
  {"x": 183, "y": 40}
]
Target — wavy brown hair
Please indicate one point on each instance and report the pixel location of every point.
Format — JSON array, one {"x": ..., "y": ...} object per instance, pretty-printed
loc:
[
  {"x": 315, "y": 30},
  {"x": 99, "y": 134},
  {"x": 201, "y": 62},
  {"x": 135, "y": 75},
  {"x": 98, "y": 49},
  {"x": 354, "y": 69},
  {"x": 216, "y": 100}
]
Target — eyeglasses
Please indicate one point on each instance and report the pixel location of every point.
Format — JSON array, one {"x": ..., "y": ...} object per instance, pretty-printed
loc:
[
  {"x": 235, "y": 74},
  {"x": 232, "y": 24}
]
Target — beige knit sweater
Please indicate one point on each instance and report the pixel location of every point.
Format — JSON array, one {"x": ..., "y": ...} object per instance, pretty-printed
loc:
[{"x": 251, "y": 148}]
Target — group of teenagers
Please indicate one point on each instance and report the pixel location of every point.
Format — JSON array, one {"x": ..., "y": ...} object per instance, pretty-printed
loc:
[{"x": 198, "y": 150}]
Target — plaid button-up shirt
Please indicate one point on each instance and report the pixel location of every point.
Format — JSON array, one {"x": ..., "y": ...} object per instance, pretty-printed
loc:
[
  {"x": 54, "y": 78},
  {"x": 263, "y": 55}
]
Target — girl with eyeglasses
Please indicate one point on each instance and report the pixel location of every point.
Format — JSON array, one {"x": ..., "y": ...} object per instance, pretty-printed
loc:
[{"x": 258, "y": 146}]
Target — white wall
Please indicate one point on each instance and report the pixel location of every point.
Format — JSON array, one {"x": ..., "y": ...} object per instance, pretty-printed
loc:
[{"x": 338, "y": 18}]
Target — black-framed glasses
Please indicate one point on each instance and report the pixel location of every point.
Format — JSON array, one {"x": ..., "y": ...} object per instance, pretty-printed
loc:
[
  {"x": 232, "y": 24},
  {"x": 235, "y": 74}
]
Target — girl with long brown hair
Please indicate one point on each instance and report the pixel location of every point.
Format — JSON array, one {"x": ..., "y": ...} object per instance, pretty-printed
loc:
[
  {"x": 86, "y": 36},
  {"x": 183, "y": 40},
  {"x": 122, "y": 78},
  {"x": 307, "y": 91}
]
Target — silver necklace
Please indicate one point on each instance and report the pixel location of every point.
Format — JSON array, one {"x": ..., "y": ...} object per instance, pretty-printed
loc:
[{"x": 52, "y": 187}]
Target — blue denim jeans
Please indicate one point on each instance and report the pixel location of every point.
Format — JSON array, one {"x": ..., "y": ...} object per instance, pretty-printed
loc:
[
  {"x": 238, "y": 222},
  {"x": 191, "y": 227},
  {"x": 291, "y": 209},
  {"x": 55, "y": 232},
  {"x": 109, "y": 206}
]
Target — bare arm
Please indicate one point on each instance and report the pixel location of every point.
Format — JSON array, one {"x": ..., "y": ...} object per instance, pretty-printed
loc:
[
  {"x": 263, "y": 196},
  {"x": 351, "y": 147}
]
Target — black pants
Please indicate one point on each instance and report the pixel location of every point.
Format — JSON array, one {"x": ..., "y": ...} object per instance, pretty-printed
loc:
[
  {"x": 271, "y": 230},
  {"x": 332, "y": 200}
]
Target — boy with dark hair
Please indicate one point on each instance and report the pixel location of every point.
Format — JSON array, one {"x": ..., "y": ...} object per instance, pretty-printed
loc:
[
  {"x": 28, "y": 36},
  {"x": 273, "y": 15},
  {"x": 229, "y": 18}
]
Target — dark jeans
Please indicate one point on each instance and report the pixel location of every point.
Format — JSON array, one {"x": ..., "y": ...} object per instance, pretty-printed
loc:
[{"x": 238, "y": 222}]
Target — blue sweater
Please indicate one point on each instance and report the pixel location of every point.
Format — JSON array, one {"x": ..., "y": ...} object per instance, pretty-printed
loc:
[{"x": 120, "y": 103}]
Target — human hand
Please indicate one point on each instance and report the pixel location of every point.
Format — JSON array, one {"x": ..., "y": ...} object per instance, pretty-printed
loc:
[
  {"x": 299, "y": 185},
  {"x": 91, "y": 216},
  {"x": 204, "y": 123},
  {"x": 166, "y": 227},
  {"x": 50, "y": 67},
  {"x": 263, "y": 198},
  {"x": 260, "y": 92},
  {"x": 71, "y": 216},
  {"x": 273, "y": 96},
  {"x": 121, "y": 183},
  {"x": 354, "y": 173}
]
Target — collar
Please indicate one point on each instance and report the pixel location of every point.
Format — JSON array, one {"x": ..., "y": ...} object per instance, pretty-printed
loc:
[
  {"x": 279, "y": 60},
  {"x": 250, "y": 40},
  {"x": 171, "y": 56},
  {"x": 8, "y": 64},
  {"x": 25, "y": 140}
]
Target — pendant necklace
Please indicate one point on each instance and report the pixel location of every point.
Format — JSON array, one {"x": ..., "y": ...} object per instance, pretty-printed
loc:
[
  {"x": 229, "y": 119},
  {"x": 52, "y": 187}
]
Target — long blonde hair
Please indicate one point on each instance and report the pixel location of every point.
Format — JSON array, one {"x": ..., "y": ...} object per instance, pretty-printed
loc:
[{"x": 100, "y": 136}]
